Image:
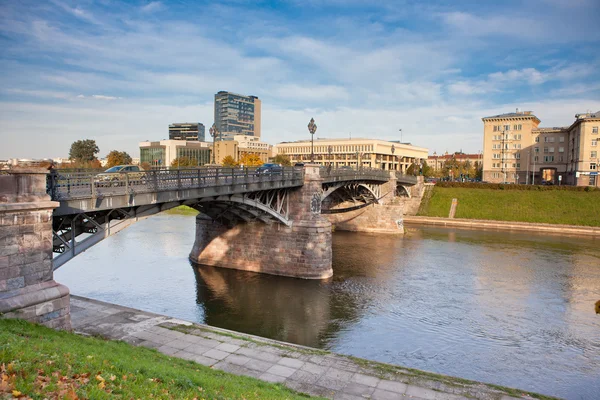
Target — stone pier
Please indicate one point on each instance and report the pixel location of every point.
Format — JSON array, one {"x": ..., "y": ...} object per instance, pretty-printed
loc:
[
  {"x": 27, "y": 288},
  {"x": 302, "y": 250}
]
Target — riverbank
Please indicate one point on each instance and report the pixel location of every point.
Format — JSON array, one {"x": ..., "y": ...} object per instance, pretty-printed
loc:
[
  {"x": 307, "y": 370},
  {"x": 565, "y": 207},
  {"x": 554, "y": 229}
]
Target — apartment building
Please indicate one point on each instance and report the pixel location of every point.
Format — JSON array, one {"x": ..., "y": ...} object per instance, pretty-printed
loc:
[
  {"x": 355, "y": 153},
  {"x": 236, "y": 114},
  {"x": 187, "y": 131},
  {"x": 517, "y": 150},
  {"x": 438, "y": 161}
]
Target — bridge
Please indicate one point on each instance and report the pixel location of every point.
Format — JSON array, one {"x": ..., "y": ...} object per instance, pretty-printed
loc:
[{"x": 276, "y": 223}]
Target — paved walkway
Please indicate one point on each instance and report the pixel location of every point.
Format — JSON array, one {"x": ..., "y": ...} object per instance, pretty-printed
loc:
[{"x": 300, "y": 368}]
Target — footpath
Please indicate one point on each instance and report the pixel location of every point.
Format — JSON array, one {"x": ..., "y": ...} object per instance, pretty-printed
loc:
[
  {"x": 574, "y": 230},
  {"x": 307, "y": 370}
]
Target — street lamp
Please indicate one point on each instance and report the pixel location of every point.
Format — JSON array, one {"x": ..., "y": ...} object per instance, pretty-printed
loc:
[
  {"x": 330, "y": 150},
  {"x": 400, "y": 134},
  {"x": 213, "y": 133},
  {"x": 393, "y": 151},
  {"x": 312, "y": 128}
]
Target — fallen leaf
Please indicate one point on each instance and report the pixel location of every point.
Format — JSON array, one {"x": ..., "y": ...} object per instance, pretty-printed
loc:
[
  {"x": 101, "y": 385},
  {"x": 112, "y": 377},
  {"x": 99, "y": 378},
  {"x": 16, "y": 393}
]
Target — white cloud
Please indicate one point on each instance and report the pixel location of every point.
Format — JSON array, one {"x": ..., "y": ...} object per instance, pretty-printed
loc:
[{"x": 153, "y": 6}]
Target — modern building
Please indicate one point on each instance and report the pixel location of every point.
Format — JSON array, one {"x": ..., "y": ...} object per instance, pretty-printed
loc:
[
  {"x": 240, "y": 146},
  {"x": 517, "y": 150},
  {"x": 187, "y": 131},
  {"x": 355, "y": 153},
  {"x": 236, "y": 114},
  {"x": 162, "y": 153}
]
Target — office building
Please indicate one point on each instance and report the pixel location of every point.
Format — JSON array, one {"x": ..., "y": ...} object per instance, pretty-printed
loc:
[
  {"x": 240, "y": 146},
  {"x": 162, "y": 153},
  {"x": 355, "y": 153},
  {"x": 187, "y": 131},
  {"x": 236, "y": 114},
  {"x": 517, "y": 150},
  {"x": 438, "y": 162}
]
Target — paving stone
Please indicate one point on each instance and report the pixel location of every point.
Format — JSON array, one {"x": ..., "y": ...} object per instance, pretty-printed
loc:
[
  {"x": 253, "y": 353},
  {"x": 208, "y": 343},
  {"x": 379, "y": 394},
  {"x": 291, "y": 362},
  {"x": 258, "y": 365},
  {"x": 392, "y": 386},
  {"x": 206, "y": 361},
  {"x": 338, "y": 374},
  {"x": 149, "y": 344},
  {"x": 314, "y": 368},
  {"x": 178, "y": 344},
  {"x": 191, "y": 339},
  {"x": 197, "y": 349},
  {"x": 216, "y": 354},
  {"x": 358, "y": 390},
  {"x": 313, "y": 390},
  {"x": 331, "y": 383},
  {"x": 168, "y": 350},
  {"x": 303, "y": 376},
  {"x": 367, "y": 380},
  {"x": 429, "y": 394},
  {"x": 347, "y": 396},
  {"x": 132, "y": 340},
  {"x": 281, "y": 370},
  {"x": 230, "y": 348},
  {"x": 271, "y": 378},
  {"x": 237, "y": 359}
]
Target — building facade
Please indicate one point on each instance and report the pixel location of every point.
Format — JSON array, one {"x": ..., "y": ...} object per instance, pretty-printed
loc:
[
  {"x": 187, "y": 131},
  {"x": 354, "y": 153},
  {"x": 517, "y": 150},
  {"x": 438, "y": 162},
  {"x": 162, "y": 153},
  {"x": 236, "y": 114},
  {"x": 240, "y": 146}
]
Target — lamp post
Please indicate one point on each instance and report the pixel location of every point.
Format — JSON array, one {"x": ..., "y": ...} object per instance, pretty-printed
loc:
[
  {"x": 330, "y": 150},
  {"x": 213, "y": 133},
  {"x": 400, "y": 134},
  {"x": 312, "y": 128},
  {"x": 393, "y": 151}
]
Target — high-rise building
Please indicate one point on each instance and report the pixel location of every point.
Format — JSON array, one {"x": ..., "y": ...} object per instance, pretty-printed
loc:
[
  {"x": 236, "y": 114},
  {"x": 517, "y": 150},
  {"x": 187, "y": 131}
]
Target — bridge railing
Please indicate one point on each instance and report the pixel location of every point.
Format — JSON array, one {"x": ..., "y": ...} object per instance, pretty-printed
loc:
[
  {"x": 340, "y": 174},
  {"x": 74, "y": 185},
  {"x": 406, "y": 178}
]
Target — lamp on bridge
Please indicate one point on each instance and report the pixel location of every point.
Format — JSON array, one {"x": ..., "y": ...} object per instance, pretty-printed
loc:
[
  {"x": 330, "y": 150},
  {"x": 213, "y": 133},
  {"x": 312, "y": 128},
  {"x": 393, "y": 151}
]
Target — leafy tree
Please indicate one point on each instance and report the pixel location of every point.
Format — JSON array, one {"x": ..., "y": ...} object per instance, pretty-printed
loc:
[
  {"x": 250, "y": 160},
  {"x": 146, "y": 166},
  {"x": 427, "y": 170},
  {"x": 229, "y": 162},
  {"x": 283, "y": 160},
  {"x": 84, "y": 151},
  {"x": 184, "y": 162},
  {"x": 411, "y": 169},
  {"x": 116, "y": 157}
]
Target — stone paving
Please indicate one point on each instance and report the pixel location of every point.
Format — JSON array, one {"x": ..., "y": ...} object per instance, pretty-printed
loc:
[{"x": 303, "y": 369}]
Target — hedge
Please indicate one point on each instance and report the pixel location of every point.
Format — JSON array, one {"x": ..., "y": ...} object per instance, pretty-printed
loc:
[{"x": 501, "y": 186}]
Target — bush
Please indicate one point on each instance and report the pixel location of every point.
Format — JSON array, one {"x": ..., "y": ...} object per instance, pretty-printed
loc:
[{"x": 501, "y": 186}]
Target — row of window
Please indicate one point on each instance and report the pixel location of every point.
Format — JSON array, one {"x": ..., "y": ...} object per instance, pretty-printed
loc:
[
  {"x": 334, "y": 149},
  {"x": 507, "y": 155},
  {"x": 506, "y": 136},
  {"x": 502, "y": 128},
  {"x": 499, "y": 165}
]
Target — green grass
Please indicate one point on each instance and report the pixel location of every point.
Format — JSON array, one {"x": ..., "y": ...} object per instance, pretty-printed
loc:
[
  {"x": 42, "y": 363},
  {"x": 552, "y": 207},
  {"x": 182, "y": 210}
]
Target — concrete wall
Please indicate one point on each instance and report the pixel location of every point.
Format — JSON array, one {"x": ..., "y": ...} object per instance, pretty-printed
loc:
[{"x": 27, "y": 288}]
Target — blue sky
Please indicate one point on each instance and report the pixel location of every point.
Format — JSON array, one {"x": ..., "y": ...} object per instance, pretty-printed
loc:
[{"x": 120, "y": 72}]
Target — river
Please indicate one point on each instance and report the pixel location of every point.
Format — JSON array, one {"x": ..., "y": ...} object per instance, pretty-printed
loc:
[{"x": 514, "y": 309}]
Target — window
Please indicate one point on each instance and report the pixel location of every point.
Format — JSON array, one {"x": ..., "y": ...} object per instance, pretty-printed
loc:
[
  {"x": 518, "y": 156},
  {"x": 561, "y": 158},
  {"x": 536, "y": 159},
  {"x": 537, "y": 139},
  {"x": 561, "y": 149},
  {"x": 537, "y": 149},
  {"x": 594, "y": 130},
  {"x": 507, "y": 127},
  {"x": 495, "y": 130},
  {"x": 592, "y": 180},
  {"x": 592, "y": 166},
  {"x": 545, "y": 150},
  {"x": 518, "y": 165},
  {"x": 548, "y": 158},
  {"x": 561, "y": 139},
  {"x": 551, "y": 150},
  {"x": 517, "y": 127},
  {"x": 594, "y": 143},
  {"x": 593, "y": 154}
]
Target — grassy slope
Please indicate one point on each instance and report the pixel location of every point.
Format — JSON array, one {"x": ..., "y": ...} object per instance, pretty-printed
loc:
[
  {"x": 43, "y": 363},
  {"x": 554, "y": 207},
  {"x": 182, "y": 210}
]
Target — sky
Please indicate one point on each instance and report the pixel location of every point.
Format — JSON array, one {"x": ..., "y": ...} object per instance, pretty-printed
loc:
[{"x": 120, "y": 72}]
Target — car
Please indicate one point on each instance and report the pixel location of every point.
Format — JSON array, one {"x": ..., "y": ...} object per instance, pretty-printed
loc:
[
  {"x": 114, "y": 175},
  {"x": 299, "y": 164},
  {"x": 269, "y": 168}
]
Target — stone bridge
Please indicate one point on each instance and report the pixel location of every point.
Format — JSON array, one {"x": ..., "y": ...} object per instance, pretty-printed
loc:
[{"x": 277, "y": 223}]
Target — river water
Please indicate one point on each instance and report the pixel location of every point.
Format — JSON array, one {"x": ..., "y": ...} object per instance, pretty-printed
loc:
[{"x": 514, "y": 309}]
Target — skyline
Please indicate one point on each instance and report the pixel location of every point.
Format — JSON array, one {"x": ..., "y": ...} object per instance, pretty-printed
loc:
[{"x": 120, "y": 73}]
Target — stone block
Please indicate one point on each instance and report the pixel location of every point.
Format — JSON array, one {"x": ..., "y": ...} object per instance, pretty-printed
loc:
[
  {"x": 9, "y": 250},
  {"x": 15, "y": 283}
]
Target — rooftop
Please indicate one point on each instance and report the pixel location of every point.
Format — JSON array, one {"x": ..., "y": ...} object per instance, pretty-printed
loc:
[{"x": 517, "y": 114}]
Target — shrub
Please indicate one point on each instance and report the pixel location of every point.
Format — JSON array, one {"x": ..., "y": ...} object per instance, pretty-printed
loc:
[{"x": 500, "y": 186}]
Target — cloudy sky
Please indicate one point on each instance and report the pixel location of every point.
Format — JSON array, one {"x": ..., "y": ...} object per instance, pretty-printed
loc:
[{"x": 120, "y": 72}]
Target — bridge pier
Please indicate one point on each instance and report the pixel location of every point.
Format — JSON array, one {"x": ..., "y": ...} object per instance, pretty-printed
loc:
[
  {"x": 302, "y": 250},
  {"x": 27, "y": 288}
]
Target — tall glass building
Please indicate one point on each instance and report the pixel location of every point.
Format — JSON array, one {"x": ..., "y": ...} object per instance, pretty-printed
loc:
[
  {"x": 187, "y": 131},
  {"x": 236, "y": 114}
]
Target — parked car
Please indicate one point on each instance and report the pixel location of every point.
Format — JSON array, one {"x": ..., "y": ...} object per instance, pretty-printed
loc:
[
  {"x": 269, "y": 168},
  {"x": 299, "y": 164},
  {"x": 114, "y": 175}
]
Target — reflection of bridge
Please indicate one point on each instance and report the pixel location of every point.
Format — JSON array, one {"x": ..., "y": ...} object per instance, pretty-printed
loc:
[{"x": 273, "y": 223}]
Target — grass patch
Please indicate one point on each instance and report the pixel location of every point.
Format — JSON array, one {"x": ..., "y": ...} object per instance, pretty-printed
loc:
[
  {"x": 182, "y": 210},
  {"x": 42, "y": 363},
  {"x": 551, "y": 207}
]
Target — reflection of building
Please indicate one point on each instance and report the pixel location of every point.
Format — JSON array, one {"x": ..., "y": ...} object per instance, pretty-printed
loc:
[
  {"x": 364, "y": 153},
  {"x": 236, "y": 114},
  {"x": 240, "y": 146},
  {"x": 162, "y": 153},
  {"x": 187, "y": 131},
  {"x": 438, "y": 162},
  {"x": 516, "y": 150}
]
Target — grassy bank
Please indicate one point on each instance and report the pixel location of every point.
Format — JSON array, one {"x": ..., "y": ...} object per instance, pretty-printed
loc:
[
  {"x": 38, "y": 362},
  {"x": 182, "y": 210},
  {"x": 552, "y": 207}
]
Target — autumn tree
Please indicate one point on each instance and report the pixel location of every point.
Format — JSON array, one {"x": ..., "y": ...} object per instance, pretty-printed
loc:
[
  {"x": 229, "y": 162},
  {"x": 146, "y": 166},
  {"x": 116, "y": 157},
  {"x": 282, "y": 160},
  {"x": 84, "y": 151},
  {"x": 250, "y": 160},
  {"x": 184, "y": 162}
]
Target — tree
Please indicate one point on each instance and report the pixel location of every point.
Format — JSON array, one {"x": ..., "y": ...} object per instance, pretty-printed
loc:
[
  {"x": 427, "y": 170},
  {"x": 116, "y": 157},
  {"x": 283, "y": 160},
  {"x": 229, "y": 162},
  {"x": 184, "y": 162},
  {"x": 411, "y": 169},
  {"x": 250, "y": 160},
  {"x": 84, "y": 151},
  {"x": 146, "y": 166}
]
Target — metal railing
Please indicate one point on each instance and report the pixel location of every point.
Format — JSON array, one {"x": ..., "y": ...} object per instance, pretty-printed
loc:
[
  {"x": 406, "y": 178},
  {"x": 339, "y": 174},
  {"x": 80, "y": 185}
]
